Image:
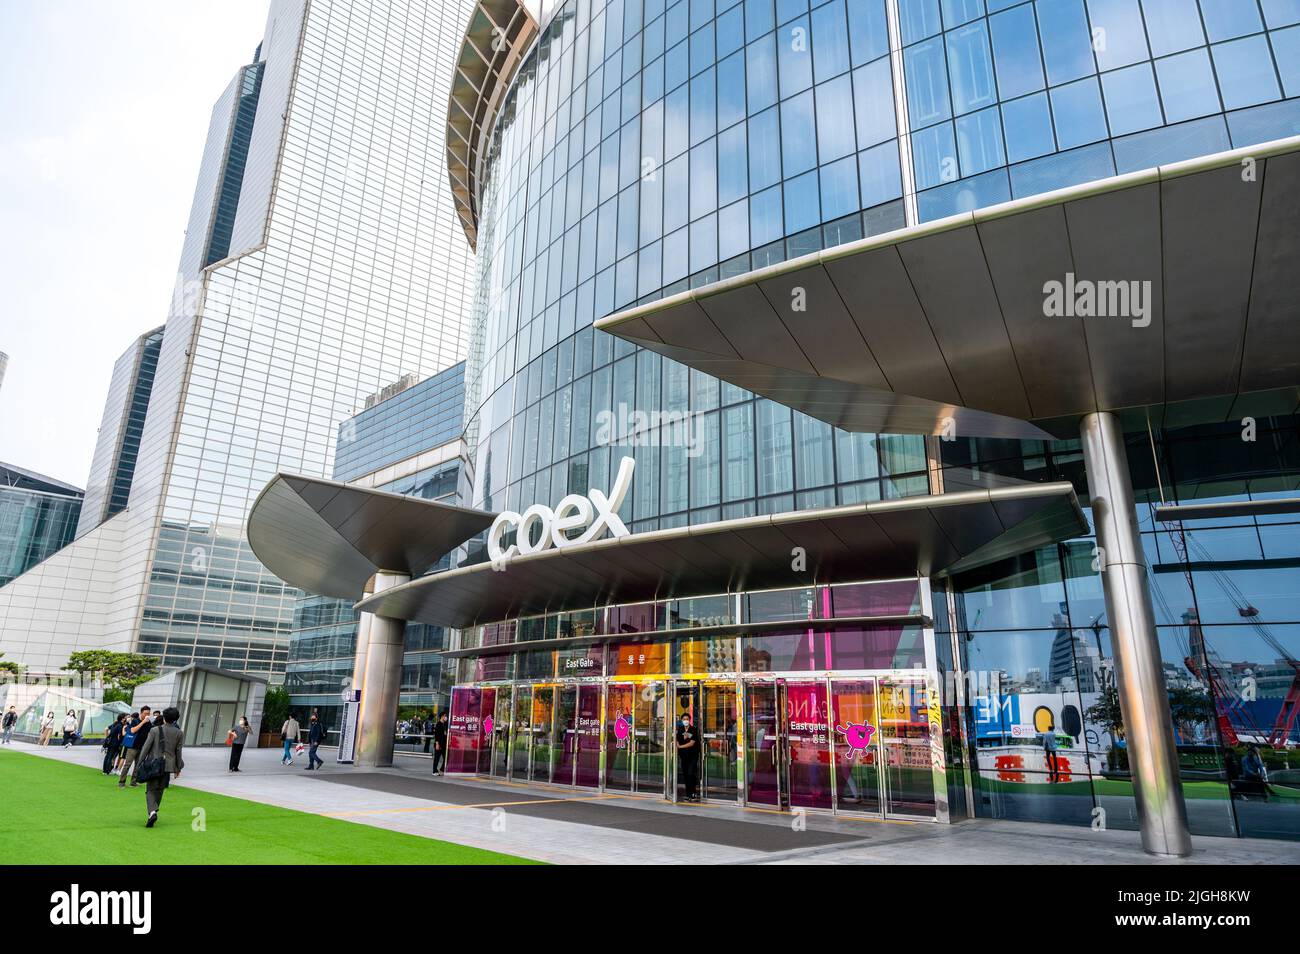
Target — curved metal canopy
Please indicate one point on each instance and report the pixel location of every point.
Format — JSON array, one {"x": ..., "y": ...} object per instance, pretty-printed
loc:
[
  {"x": 930, "y": 535},
  {"x": 947, "y": 321},
  {"x": 330, "y": 538},
  {"x": 499, "y": 34}
]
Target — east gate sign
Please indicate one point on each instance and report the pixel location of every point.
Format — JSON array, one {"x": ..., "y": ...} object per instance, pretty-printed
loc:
[{"x": 597, "y": 512}]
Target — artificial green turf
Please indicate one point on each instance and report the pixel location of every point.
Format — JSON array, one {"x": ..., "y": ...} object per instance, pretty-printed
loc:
[{"x": 61, "y": 814}]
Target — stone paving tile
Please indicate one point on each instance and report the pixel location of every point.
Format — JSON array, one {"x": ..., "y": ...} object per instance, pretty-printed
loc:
[{"x": 531, "y": 831}]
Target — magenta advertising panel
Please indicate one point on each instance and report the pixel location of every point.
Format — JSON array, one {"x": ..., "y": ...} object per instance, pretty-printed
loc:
[
  {"x": 465, "y": 733},
  {"x": 808, "y": 745},
  {"x": 588, "y": 736}
]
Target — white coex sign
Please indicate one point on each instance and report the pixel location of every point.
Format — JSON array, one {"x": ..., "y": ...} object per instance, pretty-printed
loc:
[{"x": 597, "y": 512}]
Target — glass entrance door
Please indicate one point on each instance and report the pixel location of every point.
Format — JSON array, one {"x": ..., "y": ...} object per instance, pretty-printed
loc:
[
  {"x": 543, "y": 734},
  {"x": 807, "y": 748},
  {"x": 486, "y": 727},
  {"x": 522, "y": 733},
  {"x": 566, "y": 734},
  {"x": 857, "y": 745},
  {"x": 764, "y": 730},
  {"x": 650, "y": 738},
  {"x": 620, "y": 729},
  {"x": 586, "y": 769},
  {"x": 905, "y": 739},
  {"x": 497, "y": 733},
  {"x": 686, "y": 702},
  {"x": 719, "y": 729}
]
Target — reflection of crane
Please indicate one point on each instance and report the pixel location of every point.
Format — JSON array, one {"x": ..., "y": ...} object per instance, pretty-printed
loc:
[{"x": 1227, "y": 700}]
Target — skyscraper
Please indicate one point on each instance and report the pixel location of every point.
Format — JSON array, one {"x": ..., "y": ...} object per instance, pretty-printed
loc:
[
  {"x": 322, "y": 261},
  {"x": 118, "y": 445}
]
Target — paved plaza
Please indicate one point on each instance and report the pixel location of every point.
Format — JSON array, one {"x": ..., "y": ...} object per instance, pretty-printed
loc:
[{"x": 564, "y": 826}]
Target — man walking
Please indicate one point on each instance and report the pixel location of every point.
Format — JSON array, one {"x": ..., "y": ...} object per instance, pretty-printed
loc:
[
  {"x": 10, "y": 720},
  {"x": 166, "y": 742},
  {"x": 440, "y": 744},
  {"x": 289, "y": 738},
  {"x": 315, "y": 736},
  {"x": 138, "y": 727},
  {"x": 112, "y": 744}
]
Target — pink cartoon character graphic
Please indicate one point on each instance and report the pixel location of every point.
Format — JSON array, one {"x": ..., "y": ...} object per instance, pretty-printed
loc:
[
  {"x": 858, "y": 737},
  {"x": 622, "y": 727},
  {"x": 487, "y": 726}
]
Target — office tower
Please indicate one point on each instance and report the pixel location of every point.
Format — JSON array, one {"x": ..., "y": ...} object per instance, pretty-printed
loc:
[
  {"x": 118, "y": 444},
  {"x": 38, "y": 516},
  {"x": 322, "y": 260}
]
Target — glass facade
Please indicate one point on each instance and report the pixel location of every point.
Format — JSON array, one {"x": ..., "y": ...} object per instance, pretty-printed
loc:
[
  {"x": 1007, "y": 99},
  {"x": 1033, "y": 633},
  {"x": 38, "y": 517},
  {"x": 646, "y": 147},
  {"x": 408, "y": 442},
  {"x": 117, "y": 447},
  {"x": 334, "y": 266}
]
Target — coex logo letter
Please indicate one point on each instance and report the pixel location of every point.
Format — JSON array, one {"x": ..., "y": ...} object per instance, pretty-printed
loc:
[
  {"x": 597, "y": 512},
  {"x": 76, "y": 907}
]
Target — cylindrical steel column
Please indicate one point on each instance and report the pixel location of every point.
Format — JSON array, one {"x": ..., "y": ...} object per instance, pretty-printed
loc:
[
  {"x": 1143, "y": 699},
  {"x": 380, "y": 679}
]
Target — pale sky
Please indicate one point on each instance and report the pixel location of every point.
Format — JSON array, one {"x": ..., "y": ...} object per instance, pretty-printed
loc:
[{"x": 104, "y": 107}]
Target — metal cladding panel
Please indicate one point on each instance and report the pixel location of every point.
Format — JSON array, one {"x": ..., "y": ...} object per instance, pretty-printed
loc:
[
  {"x": 330, "y": 538},
  {"x": 1116, "y": 241},
  {"x": 823, "y": 327},
  {"x": 1209, "y": 223},
  {"x": 1025, "y": 252},
  {"x": 743, "y": 315},
  {"x": 954, "y": 312},
  {"x": 952, "y": 282},
  {"x": 688, "y": 323},
  {"x": 879, "y": 539},
  {"x": 1272, "y": 353},
  {"x": 878, "y": 294}
]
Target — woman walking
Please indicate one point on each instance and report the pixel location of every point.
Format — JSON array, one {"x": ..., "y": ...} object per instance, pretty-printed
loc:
[
  {"x": 47, "y": 728},
  {"x": 238, "y": 735},
  {"x": 69, "y": 728}
]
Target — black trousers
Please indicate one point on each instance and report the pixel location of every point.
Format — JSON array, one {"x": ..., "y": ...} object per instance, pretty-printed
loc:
[
  {"x": 689, "y": 773},
  {"x": 236, "y": 751},
  {"x": 439, "y": 758},
  {"x": 110, "y": 756}
]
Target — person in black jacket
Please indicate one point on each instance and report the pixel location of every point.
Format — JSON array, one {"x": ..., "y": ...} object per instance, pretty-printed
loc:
[
  {"x": 440, "y": 744},
  {"x": 315, "y": 736},
  {"x": 113, "y": 743},
  {"x": 688, "y": 757}
]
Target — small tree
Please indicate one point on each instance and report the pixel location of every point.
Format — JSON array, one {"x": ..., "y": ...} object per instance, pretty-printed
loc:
[
  {"x": 90, "y": 664},
  {"x": 119, "y": 673},
  {"x": 9, "y": 666},
  {"x": 1106, "y": 713},
  {"x": 275, "y": 708}
]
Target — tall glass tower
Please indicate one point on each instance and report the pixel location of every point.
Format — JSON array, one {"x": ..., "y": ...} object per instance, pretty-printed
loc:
[{"x": 323, "y": 259}]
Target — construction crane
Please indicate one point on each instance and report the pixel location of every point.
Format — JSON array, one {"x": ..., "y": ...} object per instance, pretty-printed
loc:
[{"x": 1227, "y": 700}]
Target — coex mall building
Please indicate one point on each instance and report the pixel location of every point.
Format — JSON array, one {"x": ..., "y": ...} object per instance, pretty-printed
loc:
[{"x": 904, "y": 389}]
